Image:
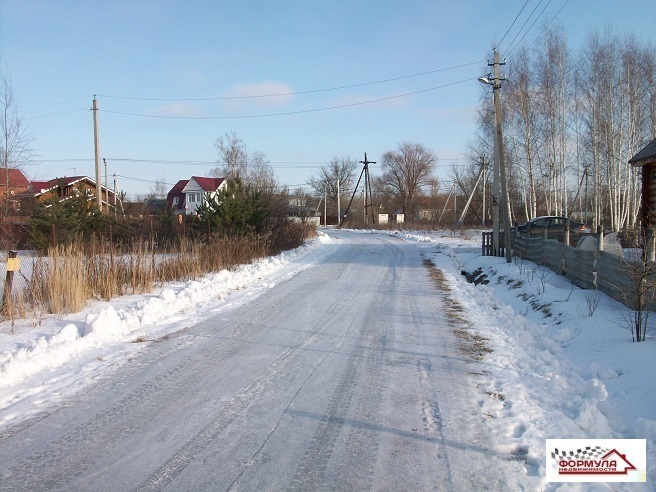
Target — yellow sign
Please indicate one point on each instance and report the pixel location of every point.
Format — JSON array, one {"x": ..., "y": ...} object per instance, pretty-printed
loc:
[{"x": 13, "y": 264}]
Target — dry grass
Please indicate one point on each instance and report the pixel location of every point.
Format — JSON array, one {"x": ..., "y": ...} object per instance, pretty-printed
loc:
[
  {"x": 65, "y": 279},
  {"x": 471, "y": 345}
]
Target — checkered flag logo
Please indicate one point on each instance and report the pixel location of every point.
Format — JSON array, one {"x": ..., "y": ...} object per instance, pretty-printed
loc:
[{"x": 589, "y": 452}]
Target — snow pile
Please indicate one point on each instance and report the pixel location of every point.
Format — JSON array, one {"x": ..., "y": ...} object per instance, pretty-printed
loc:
[{"x": 562, "y": 363}]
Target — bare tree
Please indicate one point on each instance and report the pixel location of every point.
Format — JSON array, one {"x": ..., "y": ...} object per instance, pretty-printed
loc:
[
  {"x": 617, "y": 114},
  {"x": 235, "y": 161},
  {"x": 340, "y": 170},
  {"x": 522, "y": 129},
  {"x": 158, "y": 190},
  {"x": 260, "y": 173},
  {"x": 406, "y": 171},
  {"x": 233, "y": 158},
  {"x": 573, "y": 122},
  {"x": 15, "y": 146}
]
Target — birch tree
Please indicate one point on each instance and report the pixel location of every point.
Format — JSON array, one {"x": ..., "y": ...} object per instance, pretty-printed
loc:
[{"x": 16, "y": 140}]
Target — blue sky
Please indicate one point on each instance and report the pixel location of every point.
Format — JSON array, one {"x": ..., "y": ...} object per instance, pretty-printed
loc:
[{"x": 172, "y": 76}]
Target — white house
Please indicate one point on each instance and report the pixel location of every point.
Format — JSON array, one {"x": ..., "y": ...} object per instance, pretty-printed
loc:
[{"x": 187, "y": 196}]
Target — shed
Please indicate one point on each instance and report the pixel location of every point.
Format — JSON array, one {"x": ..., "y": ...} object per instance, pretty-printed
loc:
[{"x": 646, "y": 160}]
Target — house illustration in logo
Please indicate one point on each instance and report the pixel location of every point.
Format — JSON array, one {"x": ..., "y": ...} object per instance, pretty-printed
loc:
[{"x": 621, "y": 462}]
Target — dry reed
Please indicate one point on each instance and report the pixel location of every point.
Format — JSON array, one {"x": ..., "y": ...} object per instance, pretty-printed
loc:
[{"x": 69, "y": 276}]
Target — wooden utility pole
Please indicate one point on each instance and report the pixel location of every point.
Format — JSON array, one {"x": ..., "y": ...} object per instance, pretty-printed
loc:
[
  {"x": 365, "y": 172},
  {"x": 97, "y": 153}
]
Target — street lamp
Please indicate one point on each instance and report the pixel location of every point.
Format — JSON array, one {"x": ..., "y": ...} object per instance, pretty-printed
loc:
[{"x": 499, "y": 183}]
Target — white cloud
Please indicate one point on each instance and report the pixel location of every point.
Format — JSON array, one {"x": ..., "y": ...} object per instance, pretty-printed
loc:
[{"x": 177, "y": 109}]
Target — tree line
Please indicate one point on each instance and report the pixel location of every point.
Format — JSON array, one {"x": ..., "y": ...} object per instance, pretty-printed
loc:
[{"x": 571, "y": 122}]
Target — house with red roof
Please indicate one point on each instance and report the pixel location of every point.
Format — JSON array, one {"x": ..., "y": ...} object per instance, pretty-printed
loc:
[
  {"x": 188, "y": 195},
  {"x": 67, "y": 187},
  {"x": 12, "y": 183}
]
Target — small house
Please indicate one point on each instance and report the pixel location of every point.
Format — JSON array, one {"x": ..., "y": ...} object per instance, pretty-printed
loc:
[
  {"x": 646, "y": 161},
  {"x": 68, "y": 187},
  {"x": 12, "y": 183},
  {"x": 188, "y": 195}
]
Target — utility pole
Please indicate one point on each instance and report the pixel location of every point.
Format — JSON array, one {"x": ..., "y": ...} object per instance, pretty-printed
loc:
[
  {"x": 499, "y": 181},
  {"x": 483, "y": 173},
  {"x": 469, "y": 200},
  {"x": 97, "y": 153},
  {"x": 339, "y": 210},
  {"x": 115, "y": 211},
  {"x": 365, "y": 171},
  {"x": 106, "y": 186}
]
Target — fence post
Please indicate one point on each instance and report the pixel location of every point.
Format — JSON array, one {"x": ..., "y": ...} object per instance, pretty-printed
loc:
[{"x": 9, "y": 280}]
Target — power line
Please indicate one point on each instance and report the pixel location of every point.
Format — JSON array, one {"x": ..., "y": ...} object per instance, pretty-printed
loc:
[
  {"x": 531, "y": 27},
  {"x": 547, "y": 26},
  {"x": 513, "y": 22},
  {"x": 56, "y": 114},
  {"x": 524, "y": 25},
  {"x": 287, "y": 113},
  {"x": 295, "y": 93},
  {"x": 57, "y": 103}
]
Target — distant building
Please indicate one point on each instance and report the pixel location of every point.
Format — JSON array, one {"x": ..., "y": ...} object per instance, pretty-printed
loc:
[
  {"x": 646, "y": 161},
  {"x": 68, "y": 187},
  {"x": 12, "y": 183},
  {"x": 188, "y": 195}
]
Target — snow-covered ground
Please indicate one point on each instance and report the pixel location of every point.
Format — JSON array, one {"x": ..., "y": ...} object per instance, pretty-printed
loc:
[{"x": 561, "y": 362}]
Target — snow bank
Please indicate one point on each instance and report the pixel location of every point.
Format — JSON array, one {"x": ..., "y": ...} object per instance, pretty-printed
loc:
[
  {"x": 555, "y": 369},
  {"x": 106, "y": 324}
]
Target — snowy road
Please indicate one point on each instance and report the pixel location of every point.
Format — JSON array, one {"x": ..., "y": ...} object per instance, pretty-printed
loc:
[{"x": 347, "y": 376}]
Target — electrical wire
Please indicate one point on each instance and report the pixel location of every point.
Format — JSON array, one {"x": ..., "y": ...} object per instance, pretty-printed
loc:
[
  {"x": 513, "y": 22},
  {"x": 56, "y": 104},
  {"x": 531, "y": 27},
  {"x": 524, "y": 25},
  {"x": 56, "y": 114},
  {"x": 296, "y": 93},
  {"x": 547, "y": 26},
  {"x": 286, "y": 113}
]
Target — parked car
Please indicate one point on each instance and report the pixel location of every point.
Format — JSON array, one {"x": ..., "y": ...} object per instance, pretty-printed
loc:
[{"x": 552, "y": 223}]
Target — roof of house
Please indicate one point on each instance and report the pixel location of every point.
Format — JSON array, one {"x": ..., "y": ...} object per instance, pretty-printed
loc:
[
  {"x": 179, "y": 186},
  {"x": 649, "y": 152},
  {"x": 41, "y": 187},
  {"x": 208, "y": 184},
  {"x": 14, "y": 177}
]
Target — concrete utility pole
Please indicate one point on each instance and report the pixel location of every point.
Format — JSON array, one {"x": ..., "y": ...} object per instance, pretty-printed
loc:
[
  {"x": 499, "y": 181},
  {"x": 106, "y": 186},
  {"x": 115, "y": 174},
  {"x": 97, "y": 153},
  {"x": 483, "y": 172},
  {"x": 339, "y": 209}
]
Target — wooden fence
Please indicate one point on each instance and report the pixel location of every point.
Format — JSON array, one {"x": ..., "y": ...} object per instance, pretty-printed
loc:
[{"x": 613, "y": 275}]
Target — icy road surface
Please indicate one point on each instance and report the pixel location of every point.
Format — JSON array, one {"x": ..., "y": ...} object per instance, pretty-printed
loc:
[{"x": 347, "y": 376}]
